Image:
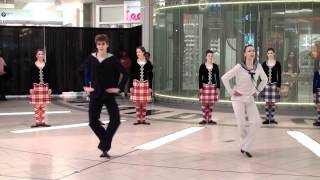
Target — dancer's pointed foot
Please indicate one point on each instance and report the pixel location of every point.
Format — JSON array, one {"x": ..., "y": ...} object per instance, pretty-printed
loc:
[
  {"x": 105, "y": 155},
  {"x": 246, "y": 153}
]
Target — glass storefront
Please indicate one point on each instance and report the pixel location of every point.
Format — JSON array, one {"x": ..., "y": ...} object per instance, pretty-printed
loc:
[{"x": 185, "y": 29}]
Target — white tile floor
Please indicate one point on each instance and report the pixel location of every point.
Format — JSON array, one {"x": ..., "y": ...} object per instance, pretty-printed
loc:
[{"x": 211, "y": 153}]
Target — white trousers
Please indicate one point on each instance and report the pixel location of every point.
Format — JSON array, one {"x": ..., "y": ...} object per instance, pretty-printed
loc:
[{"x": 243, "y": 105}]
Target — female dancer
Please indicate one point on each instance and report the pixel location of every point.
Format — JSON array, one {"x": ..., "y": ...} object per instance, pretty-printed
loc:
[
  {"x": 141, "y": 85},
  {"x": 209, "y": 85},
  {"x": 271, "y": 93},
  {"x": 243, "y": 93},
  {"x": 315, "y": 55},
  {"x": 39, "y": 89}
]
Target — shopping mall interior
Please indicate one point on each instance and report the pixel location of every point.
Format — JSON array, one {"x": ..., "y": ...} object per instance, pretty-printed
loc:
[{"x": 59, "y": 134}]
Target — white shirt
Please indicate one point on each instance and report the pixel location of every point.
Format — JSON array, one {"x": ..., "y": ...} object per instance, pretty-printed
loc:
[
  {"x": 244, "y": 84},
  {"x": 102, "y": 59},
  {"x": 141, "y": 63}
]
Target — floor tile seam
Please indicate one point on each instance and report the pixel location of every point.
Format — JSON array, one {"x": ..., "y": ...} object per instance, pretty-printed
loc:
[
  {"x": 97, "y": 164},
  {"x": 24, "y": 177},
  {"x": 48, "y": 155},
  {"x": 214, "y": 170}
]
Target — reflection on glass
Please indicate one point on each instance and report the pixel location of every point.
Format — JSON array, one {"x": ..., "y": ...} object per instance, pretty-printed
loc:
[{"x": 181, "y": 33}]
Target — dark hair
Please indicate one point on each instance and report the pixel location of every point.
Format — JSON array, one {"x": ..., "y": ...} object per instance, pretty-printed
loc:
[
  {"x": 271, "y": 49},
  {"x": 246, "y": 46},
  {"x": 147, "y": 53},
  {"x": 142, "y": 49},
  {"x": 101, "y": 37},
  {"x": 39, "y": 49},
  {"x": 209, "y": 51}
]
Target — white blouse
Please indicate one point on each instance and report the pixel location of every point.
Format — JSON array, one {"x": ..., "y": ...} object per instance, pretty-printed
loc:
[{"x": 244, "y": 84}]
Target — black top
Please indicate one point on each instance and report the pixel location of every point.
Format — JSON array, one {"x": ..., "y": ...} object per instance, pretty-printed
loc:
[
  {"x": 275, "y": 72},
  {"x": 35, "y": 75},
  {"x": 104, "y": 75},
  {"x": 204, "y": 75},
  {"x": 147, "y": 73},
  {"x": 316, "y": 81}
]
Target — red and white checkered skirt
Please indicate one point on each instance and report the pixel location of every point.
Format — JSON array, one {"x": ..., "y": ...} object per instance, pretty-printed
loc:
[
  {"x": 317, "y": 97},
  {"x": 208, "y": 94},
  {"x": 140, "y": 93},
  {"x": 40, "y": 94}
]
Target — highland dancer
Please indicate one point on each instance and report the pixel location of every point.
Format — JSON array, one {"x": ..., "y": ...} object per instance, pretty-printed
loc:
[
  {"x": 141, "y": 85},
  {"x": 209, "y": 87},
  {"x": 271, "y": 93},
  {"x": 39, "y": 89}
]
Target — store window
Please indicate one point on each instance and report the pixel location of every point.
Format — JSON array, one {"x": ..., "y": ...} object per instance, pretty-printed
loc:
[{"x": 184, "y": 30}]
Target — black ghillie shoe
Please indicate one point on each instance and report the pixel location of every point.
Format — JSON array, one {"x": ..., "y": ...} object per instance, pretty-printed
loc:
[
  {"x": 105, "y": 155},
  {"x": 145, "y": 123},
  {"x": 212, "y": 122},
  {"x": 246, "y": 153}
]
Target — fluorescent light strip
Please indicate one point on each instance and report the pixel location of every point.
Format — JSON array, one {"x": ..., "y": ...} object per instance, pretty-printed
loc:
[
  {"x": 236, "y": 2},
  {"x": 53, "y": 128},
  {"x": 305, "y": 140},
  {"x": 228, "y": 101},
  {"x": 6, "y": 5},
  {"x": 31, "y": 113},
  {"x": 169, "y": 138}
]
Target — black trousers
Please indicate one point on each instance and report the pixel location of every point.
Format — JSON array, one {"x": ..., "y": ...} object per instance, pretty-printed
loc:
[
  {"x": 2, "y": 87},
  {"x": 105, "y": 135}
]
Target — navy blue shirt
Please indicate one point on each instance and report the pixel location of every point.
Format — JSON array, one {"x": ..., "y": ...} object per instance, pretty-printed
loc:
[
  {"x": 316, "y": 81},
  {"x": 103, "y": 75}
]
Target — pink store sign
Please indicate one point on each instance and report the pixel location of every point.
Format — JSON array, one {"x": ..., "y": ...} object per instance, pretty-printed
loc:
[{"x": 132, "y": 11}]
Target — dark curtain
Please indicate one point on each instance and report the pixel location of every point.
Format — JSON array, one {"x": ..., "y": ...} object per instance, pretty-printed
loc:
[{"x": 66, "y": 47}]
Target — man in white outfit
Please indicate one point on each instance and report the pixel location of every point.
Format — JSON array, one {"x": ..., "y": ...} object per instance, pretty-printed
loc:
[{"x": 243, "y": 94}]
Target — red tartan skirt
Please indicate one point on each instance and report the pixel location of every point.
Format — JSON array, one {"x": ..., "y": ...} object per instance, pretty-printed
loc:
[
  {"x": 40, "y": 94},
  {"x": 140, "y": 93},
  {"x": 208, "y": 94}
]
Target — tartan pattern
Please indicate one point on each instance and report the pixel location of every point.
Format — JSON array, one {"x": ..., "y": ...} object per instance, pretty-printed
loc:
[
  {"x": 270, "y": 110},
  {"x": 141, "y": 113},
  {"x": 208, "y": 94},
  {"x": 140, "y": 93},
  {"x": 206, "y": 112},
  {"x": 317, "y": 97},
  {"x": 270, "y": 93},
  {"x": 39, "y": 94},
  {"x": 39, "y": 111}
]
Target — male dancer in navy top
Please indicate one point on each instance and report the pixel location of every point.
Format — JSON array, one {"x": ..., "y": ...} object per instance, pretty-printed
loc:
[{"x": 104, "y": 71}]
